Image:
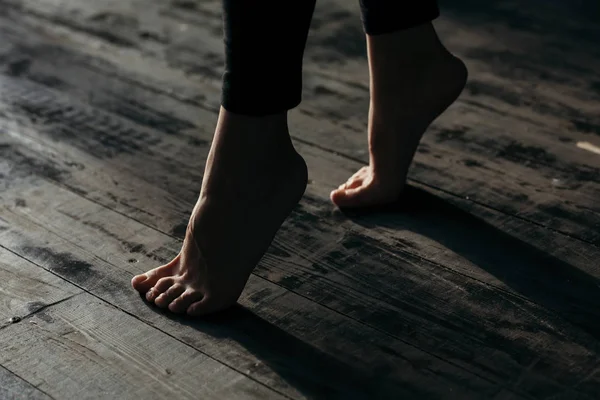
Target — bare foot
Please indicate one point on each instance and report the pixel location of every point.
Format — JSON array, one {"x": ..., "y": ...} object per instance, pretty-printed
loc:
[
  {"x": 408, "y": 92},
  {"x": 253, "y": 179}
]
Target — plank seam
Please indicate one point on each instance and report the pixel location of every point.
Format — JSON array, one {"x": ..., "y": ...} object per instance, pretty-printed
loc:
[
  {"x": 39, "y": 309},
  {"x": 403, "y": 251},
  {"x": 141, "y": 320},
  {"x": 388, "y": 334},
  {"x": 24, "y": 380}
]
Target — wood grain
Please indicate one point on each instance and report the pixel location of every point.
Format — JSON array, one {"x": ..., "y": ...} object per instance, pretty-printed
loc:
[
  {"x": 480, "y": 153},
  {"x": 305, "y": 362},
  {"x": 33, "y": 296},
  {"x": 194, "y": 125},
  {"x": 40, "y": 114},
  {"x": 25, "y": 289},
  {"x": 14, "y": 388},
  {"x": 85, "y": 348},
  {"x": 359, "y": 278},
  {"x": 483, "y": 280}
]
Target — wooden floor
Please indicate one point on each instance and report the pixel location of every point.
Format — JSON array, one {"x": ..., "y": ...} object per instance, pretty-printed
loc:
[{"x": 483, "y": 284}]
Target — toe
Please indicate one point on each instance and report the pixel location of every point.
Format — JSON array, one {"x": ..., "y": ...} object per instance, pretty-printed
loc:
[
  {"x": 363, "y": 172},
  {"x": 169, "y": 295},
  {"x": 340, "y": 191},
  {"x": 207, "y": 306},
  {"x": 138, "y": 281},
  {"x": 357, "y": 197},
  {"x": 142, "y": 283},
  {"x": 355, "y": 182},
  {"x": 161, "y": 286},
  {"x": 336, "y": 194},
  {"x": 182, "y": 303}
]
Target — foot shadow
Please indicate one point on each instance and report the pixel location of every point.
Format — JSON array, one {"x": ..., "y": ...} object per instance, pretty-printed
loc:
[
  {"x": 288, "y": 361},
  {"x": 310, "y": 371},
  {"x": 529, "y": 271}
]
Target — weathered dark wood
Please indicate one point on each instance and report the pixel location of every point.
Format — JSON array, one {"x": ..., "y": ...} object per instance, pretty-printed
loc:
[
  {"x": 85, "y": 348},
  {"x": 370, "y": 281},
  {"x": 479, "y": 153},
  {"x": 14, "y": 388},
  {"x": 76, "y": 76},
  {"x": 126, "y": 353},
  {"x": 507, "y": 300},
  {"x": 122, "y": 136},
  {"x": 25, "y": 289},
  {"x": 305, "y": 362},
  {"x": 48, "y": 108},
  {"x": 486, "y": 180}
]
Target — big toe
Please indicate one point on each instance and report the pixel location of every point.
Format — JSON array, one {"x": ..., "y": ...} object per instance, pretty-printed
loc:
[
  {"x": 138, "y": 282},
  {"x": 142, "y": 283},
  {"x": 355, "y": 197}
]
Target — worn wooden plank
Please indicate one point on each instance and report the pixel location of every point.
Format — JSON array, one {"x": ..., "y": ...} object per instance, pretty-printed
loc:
[
  {"x": 516, "y": 277},
  {"x": 25, "y": 287},
  {"x": 108, "y": 98},
  {"x": 558, "y": 181},
  {"x": 179, "y": 119},
  {"x": 14, "y": 388},
  {"x": 85, "y": 348},
  {"x": 326, "y": 168},
  {"x": 547, "y": 203},
  {"x": 282, "y": 339},
  {"x": 180, "y": 192},
  {"x": 413, "y": 300},
  {"x": 28, "y": 290},
  {"x": 400, "y": 223}
]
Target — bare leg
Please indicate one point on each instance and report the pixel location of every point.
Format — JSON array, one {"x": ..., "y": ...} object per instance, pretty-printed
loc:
[{"x": 413, "y": 80}]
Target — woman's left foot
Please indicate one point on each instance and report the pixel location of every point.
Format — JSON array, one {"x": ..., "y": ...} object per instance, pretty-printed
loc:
[{"x": 406, "y": 96}]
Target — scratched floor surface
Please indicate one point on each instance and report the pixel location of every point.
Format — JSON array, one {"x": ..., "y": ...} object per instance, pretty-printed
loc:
[{"x": 484, "y": 283}]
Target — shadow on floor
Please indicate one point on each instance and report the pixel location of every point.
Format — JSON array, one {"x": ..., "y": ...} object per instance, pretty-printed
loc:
[
  {"x": 535, "y": 275},
  {"x": 532, "y": 273},
  {"x": 571, "y": 294},
  {"x": 307, "y": 369}
]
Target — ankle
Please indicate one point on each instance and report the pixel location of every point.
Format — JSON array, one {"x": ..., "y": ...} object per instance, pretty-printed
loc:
[
  {"x": 268, "y": 123},
  {"x": 263, "y": 134},
  {"x": 400, "y": 57},
  {"x": 417, "y": 42}
]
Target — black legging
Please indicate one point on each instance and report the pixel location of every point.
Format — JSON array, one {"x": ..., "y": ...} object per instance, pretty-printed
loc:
[{"x": 265, "y": 40}]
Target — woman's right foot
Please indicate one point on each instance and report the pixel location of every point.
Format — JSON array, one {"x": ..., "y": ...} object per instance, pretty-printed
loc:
[
  {"x": 253, "y": 179},
  {"x": 408, "y": 92}
]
